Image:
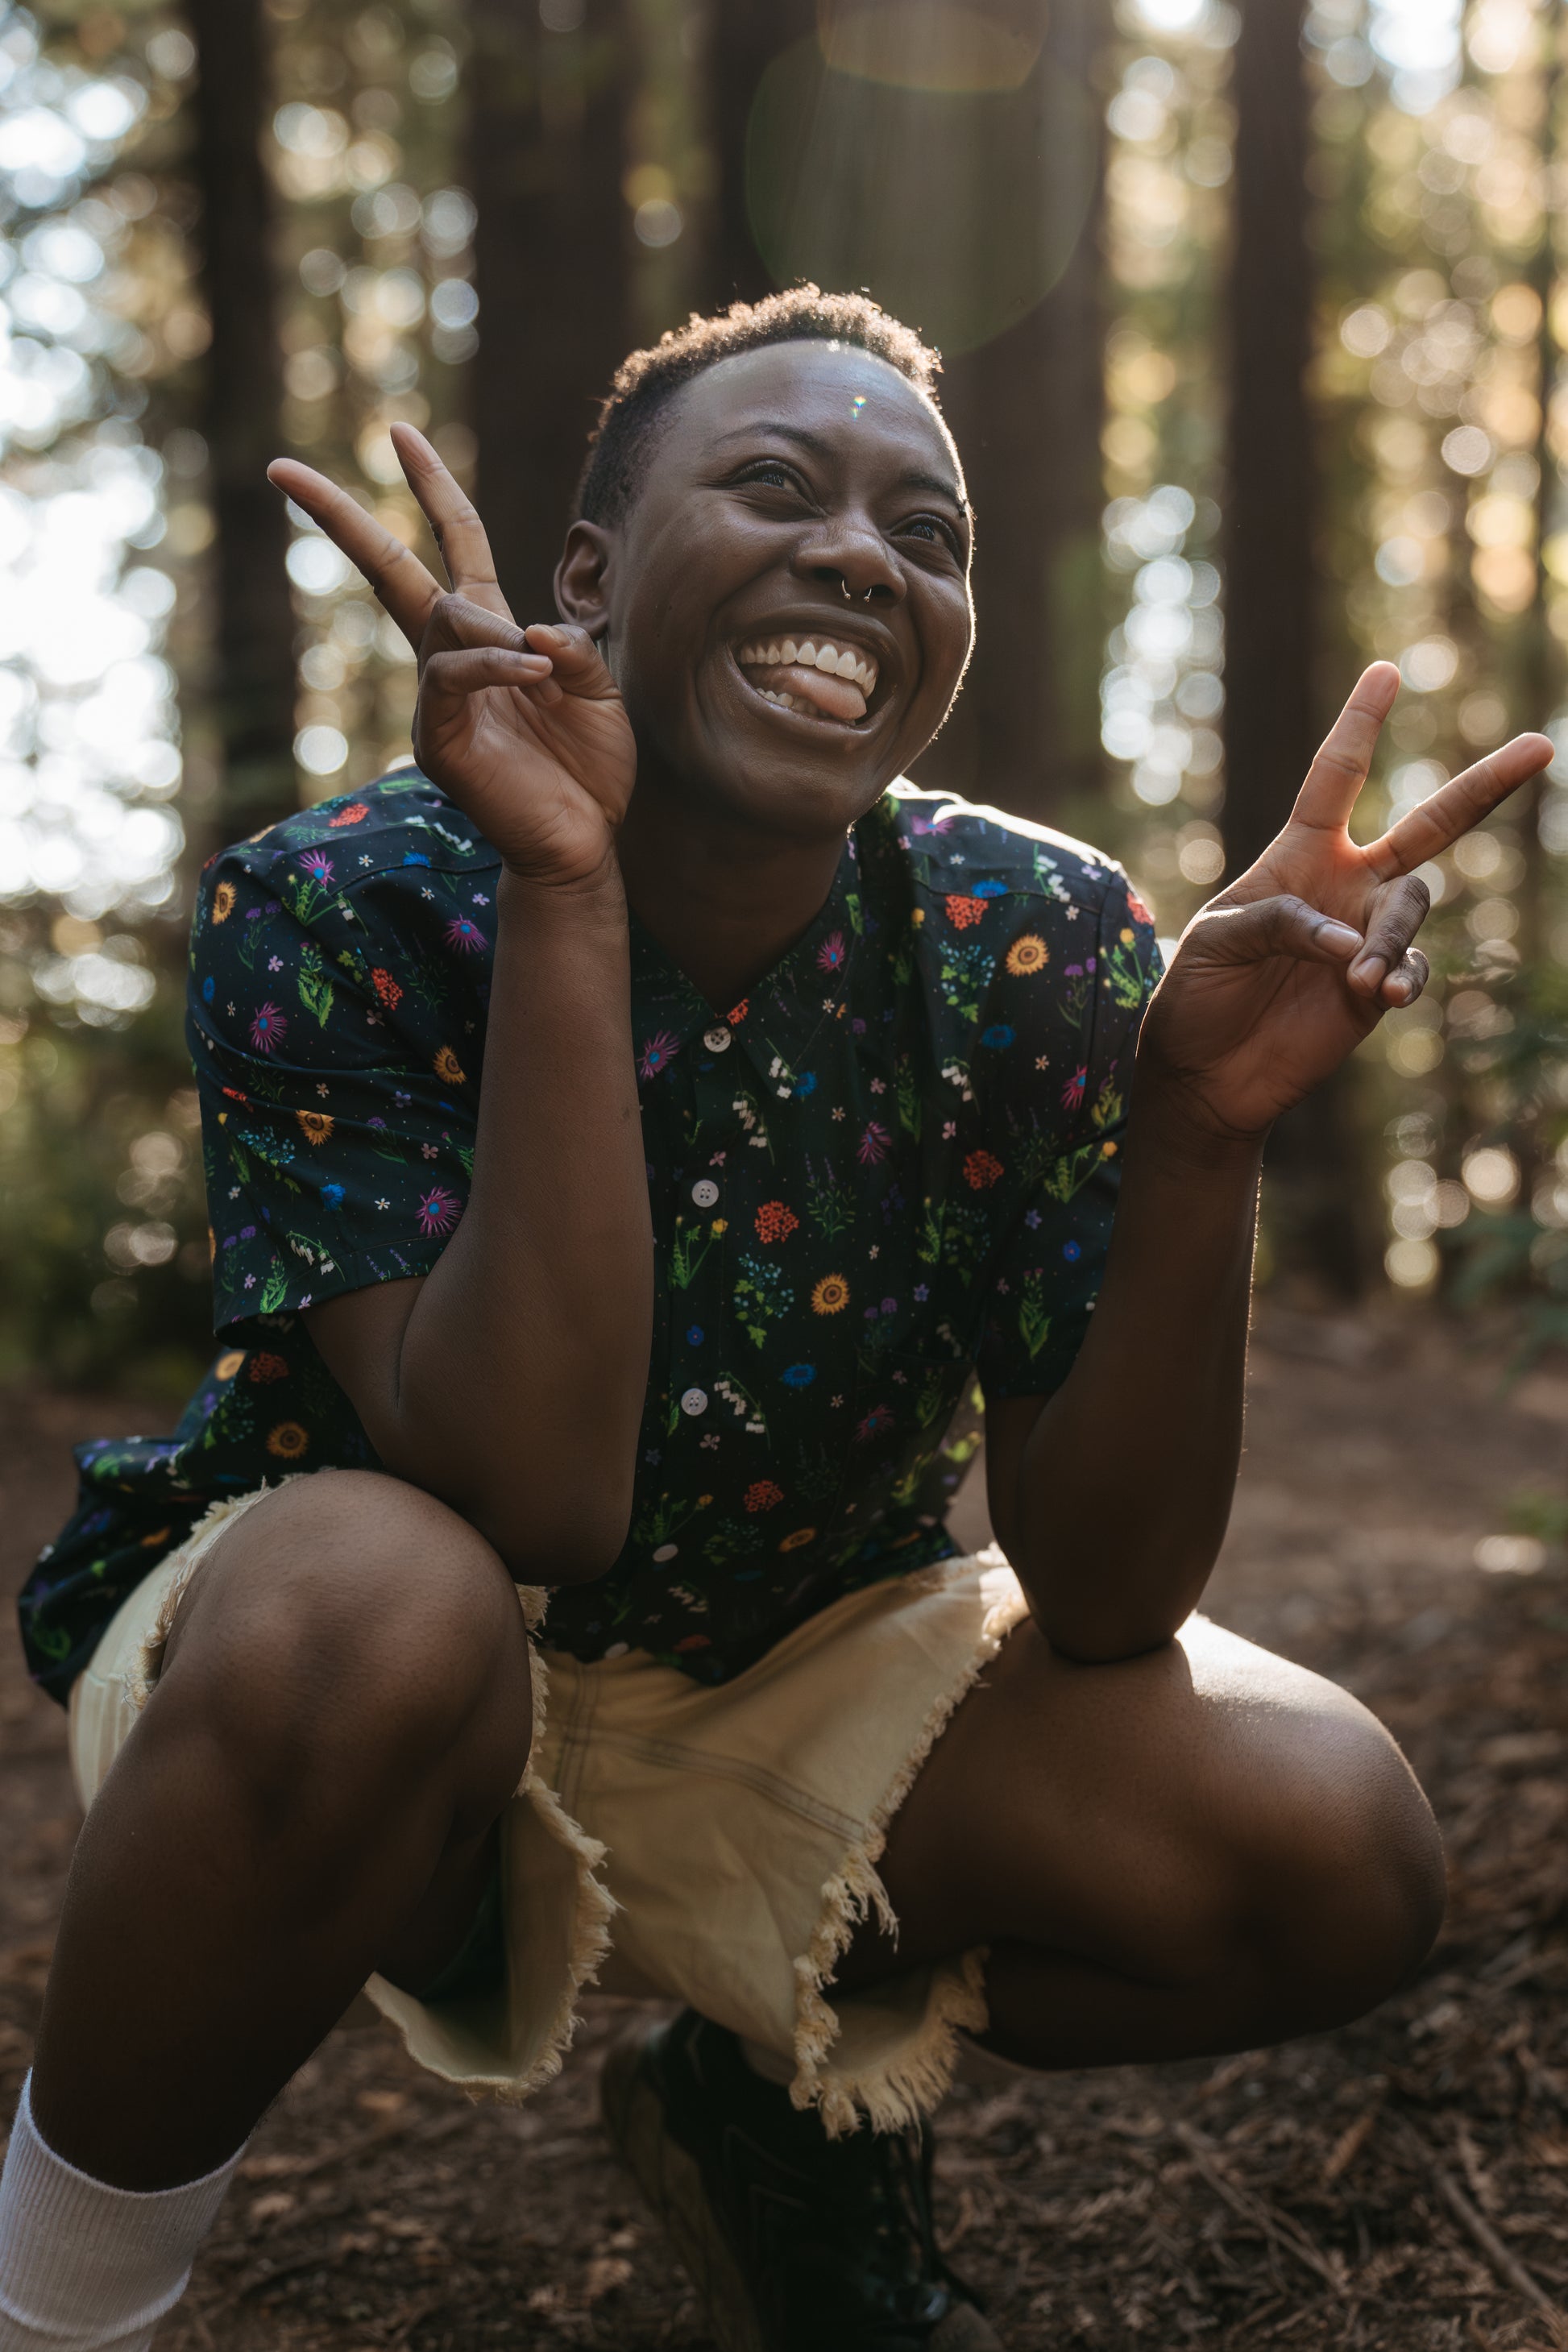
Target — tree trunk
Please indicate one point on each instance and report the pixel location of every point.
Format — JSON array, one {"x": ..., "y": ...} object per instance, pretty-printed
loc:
[
  {"x": 551, "y": 265},
  {"x": 242, "y": 407},
  {"x": 1271, "y": 729},
  {"x": 1269, "y": 618},
  {"x": 746, "y": 37},
  {"x": 1028, "y": 410}
]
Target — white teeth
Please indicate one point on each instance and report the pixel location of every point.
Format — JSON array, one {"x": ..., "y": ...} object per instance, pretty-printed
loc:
[{"x": 835, "y": 661}]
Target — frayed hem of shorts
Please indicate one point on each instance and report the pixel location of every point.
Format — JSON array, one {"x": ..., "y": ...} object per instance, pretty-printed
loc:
[
  {"x": 896, "y": 2095},
  {"x": 196, "y": 1547},
  {"x": 594, "y": 1910}
]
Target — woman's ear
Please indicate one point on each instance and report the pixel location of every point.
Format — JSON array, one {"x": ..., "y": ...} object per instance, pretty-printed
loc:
[{"x": 582, "y": 578}]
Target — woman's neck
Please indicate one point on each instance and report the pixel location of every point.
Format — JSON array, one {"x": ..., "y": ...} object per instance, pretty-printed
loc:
[{"x": 723, "y": 898}]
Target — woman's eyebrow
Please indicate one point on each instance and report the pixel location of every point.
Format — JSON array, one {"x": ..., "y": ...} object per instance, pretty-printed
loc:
[{"x": 813, "y": 441}]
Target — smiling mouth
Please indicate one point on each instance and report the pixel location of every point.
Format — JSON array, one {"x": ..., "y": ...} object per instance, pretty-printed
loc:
[{"x": 817, "y": 676}]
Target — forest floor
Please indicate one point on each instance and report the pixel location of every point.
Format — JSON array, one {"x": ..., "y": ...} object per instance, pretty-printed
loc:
[{"x": 1402, "y": 2184}]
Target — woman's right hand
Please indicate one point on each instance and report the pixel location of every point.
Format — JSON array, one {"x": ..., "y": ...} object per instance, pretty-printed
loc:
[{"x": 523, "y": 729}]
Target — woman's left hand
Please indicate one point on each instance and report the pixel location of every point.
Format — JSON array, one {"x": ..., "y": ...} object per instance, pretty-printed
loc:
[{"x": 1279, "y": 978}]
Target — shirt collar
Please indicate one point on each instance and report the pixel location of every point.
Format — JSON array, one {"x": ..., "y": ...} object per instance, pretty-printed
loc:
[{"x": 777, "y": 1021}]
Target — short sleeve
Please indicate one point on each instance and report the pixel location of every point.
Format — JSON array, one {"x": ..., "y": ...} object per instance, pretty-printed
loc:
[
  {"x": 335, "y": 1055},
  {"x": 1049, "y": 1269}
]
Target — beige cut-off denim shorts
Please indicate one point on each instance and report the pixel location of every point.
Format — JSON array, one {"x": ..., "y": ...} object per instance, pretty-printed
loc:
[{"x": 714, "y": 1846}]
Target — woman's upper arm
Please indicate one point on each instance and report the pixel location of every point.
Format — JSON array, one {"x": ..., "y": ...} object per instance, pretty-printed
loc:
[
  {"x": 1009, "y": 1422},
  {"x": 359, "y": 1337}
]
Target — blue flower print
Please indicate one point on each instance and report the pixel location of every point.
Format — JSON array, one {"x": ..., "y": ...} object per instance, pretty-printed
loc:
[
  {"x": 798, "y": 1376},
  {"x": 998, "y": 1036},
  {"x": 331, "y": 1196}
]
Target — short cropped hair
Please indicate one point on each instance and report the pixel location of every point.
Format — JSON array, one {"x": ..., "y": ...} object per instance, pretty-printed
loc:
[{"x": 647, "y": 382}]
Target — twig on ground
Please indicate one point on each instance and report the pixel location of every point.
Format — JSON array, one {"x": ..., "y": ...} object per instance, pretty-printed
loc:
[
  {"x": 1507, "y": 2265},
  {"x": 1277, "y": 2228}
]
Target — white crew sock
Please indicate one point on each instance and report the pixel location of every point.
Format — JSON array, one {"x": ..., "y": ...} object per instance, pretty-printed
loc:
[{"x": 85, "y": 2267}]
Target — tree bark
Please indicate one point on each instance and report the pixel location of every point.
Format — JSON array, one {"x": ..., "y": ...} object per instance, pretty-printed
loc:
[
  {"x": 1270, "y": 729},
  {"x": 241, "y": 420},
  {"x": 746, "y": 37},
  {"x": 1269, "y": 618},
  {"x": 551, "y": 266},
  {"x": 1027, "y": 409}
]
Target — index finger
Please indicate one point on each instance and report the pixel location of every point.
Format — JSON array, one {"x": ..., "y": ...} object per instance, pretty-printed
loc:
[
  {"x": 1337, "y": 774},
  {"x": 454, "y": 521},
  {"x": 1458, "y": 806},
  {"x": 397, "y": 576}
]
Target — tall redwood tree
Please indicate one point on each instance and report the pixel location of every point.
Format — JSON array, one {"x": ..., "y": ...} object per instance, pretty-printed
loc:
[
  {"x": 547, "y": 154},
  {"x": 253, "y": 686},
  {"x": 1271, "y": 714}
]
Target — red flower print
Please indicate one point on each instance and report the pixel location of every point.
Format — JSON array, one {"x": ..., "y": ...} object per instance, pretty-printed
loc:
[
  {"x": 659, "y": 1049},
  {"x": 695, "y": 1642},
  {"x": 1073, "y": 1092},
  {"x": 830, "y": 954},
  {"x": 876, "y": 1424},
  {"x": 385, "y": 987},
  {"x": 738, "y": 1013},
  {"x": 355, "y": 814},
  {"x": 982, "y": 1168},
  {"x": 267, "y": 1029},
  {"x": 873, "y": 1145},
  {"x": 439, "y": 1211},
  {"x": 465, "y": 936},
  {"x": 775, "y": 1222},
  {"x": 264, "y": 1366},
  {"x": 1137, "y": 909},
  {"x": 235, "y": 1095},
  {"x": 763, "y": 1496},
  {"x": 964, "y": 913}
]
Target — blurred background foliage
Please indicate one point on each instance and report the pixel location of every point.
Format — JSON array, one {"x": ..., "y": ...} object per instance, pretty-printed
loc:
[{"x": 1253, "y": 322}]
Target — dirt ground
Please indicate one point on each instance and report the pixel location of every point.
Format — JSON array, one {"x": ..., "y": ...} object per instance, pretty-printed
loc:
[{"x": 1402, "y": 2184}]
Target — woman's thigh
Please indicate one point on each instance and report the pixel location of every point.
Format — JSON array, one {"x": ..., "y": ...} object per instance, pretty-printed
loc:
[{"x": 1142, "y": 1815}]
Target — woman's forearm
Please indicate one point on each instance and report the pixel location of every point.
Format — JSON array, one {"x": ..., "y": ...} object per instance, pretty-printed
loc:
[
  {"x": 1125, "y": 1484},
  {"x": 523, "y": 1366}
]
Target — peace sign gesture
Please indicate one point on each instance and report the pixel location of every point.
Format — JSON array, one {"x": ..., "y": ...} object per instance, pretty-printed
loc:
[
  {"x": 523, "y": 728},
  {"x": 1279, "y": 978}
]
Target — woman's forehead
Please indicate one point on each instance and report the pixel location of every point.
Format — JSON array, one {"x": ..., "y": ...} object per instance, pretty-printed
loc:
[{"x": 830, "y": 390}]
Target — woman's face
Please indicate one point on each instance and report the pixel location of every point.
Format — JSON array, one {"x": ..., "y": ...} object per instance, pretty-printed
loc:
[{"x": 786, "y": 607}]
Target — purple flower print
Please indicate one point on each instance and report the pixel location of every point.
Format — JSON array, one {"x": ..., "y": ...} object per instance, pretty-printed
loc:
[
  {"x": 659, "y": 1049},
  {"x": 267, "y": 1029},
  {"x": 465, "y": 936},
  {"x": 439, "y": 1211},
  {"x": 830, "y": 954},
  {"x": 317, "y": 865},
  {"x": 873, "y": 1145}
]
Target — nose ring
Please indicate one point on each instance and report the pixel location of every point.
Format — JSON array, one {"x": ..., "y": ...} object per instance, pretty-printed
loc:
[{"x": 844, "y": 584}]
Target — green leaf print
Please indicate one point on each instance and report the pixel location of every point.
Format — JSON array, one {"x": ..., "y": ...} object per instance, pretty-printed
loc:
[
  {"x": 905, "y": 1087},
  {"x": 1034, "y": 1323},
  {"x": 315, "y": 988},
  {"x": 1127, "y": 983},
  {"x": 275, "y": 1290},
  {"x": 689, "y": 1249},
  {"x": 762, "y": 1296},
  {"x": 829, "y": 1205}
]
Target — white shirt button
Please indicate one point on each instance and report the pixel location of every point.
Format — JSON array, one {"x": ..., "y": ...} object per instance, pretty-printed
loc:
[
  {"x": 694, "y": 1401},
  {"x": 666, "y": 1552},
  {"x": 705, "y": 1192},
  {"x": 716, "y": 1040}
]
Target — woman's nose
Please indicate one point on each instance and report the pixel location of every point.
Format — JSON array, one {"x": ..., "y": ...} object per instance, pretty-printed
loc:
[{"x": 855, "y": 561}]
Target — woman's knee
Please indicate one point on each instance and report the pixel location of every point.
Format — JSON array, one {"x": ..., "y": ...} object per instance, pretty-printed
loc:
[
  {"x": 349, "y": 1632},
  {"x": 1343, "y": 1886}
]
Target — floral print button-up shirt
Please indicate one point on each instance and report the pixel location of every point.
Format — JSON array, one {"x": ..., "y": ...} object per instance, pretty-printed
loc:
[{"x": 891, "y": 1168}]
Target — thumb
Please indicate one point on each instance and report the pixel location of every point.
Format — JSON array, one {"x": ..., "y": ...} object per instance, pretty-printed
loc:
[
  {"x": 1270, "y": 926},
  {"x": 578, "y": 665}
]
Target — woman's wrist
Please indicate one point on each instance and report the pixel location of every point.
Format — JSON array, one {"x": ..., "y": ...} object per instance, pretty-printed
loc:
[
  {"x": 597, "y": 895},
  {"x": 1170, "y": 1127}
]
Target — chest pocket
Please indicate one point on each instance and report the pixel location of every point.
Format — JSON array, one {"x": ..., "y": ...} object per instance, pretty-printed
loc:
[{"x": 904, "y": 1405}]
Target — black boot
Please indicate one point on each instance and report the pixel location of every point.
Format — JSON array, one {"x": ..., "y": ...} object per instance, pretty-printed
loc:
[{"x": 795, "y": 2243}]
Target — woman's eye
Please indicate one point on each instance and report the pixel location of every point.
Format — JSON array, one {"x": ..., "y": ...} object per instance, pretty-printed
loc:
[
  {"x": 932, "y": 529},
  {"x": 771, "y": 474}
]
